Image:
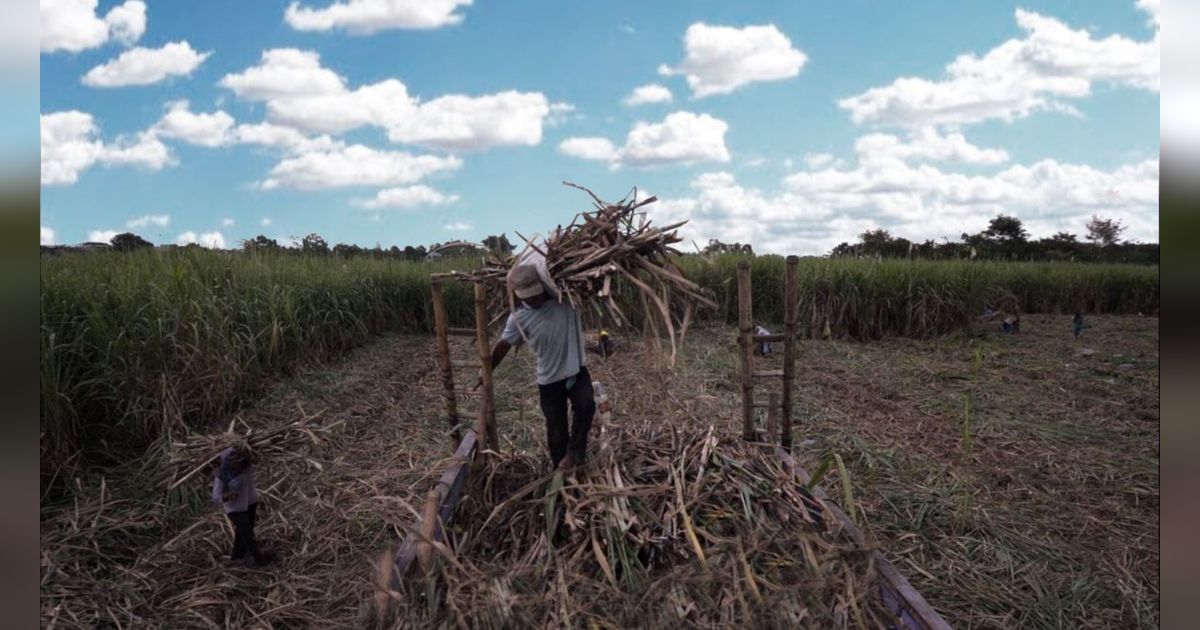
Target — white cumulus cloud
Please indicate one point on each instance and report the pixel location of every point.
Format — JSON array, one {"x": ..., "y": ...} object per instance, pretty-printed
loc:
[
  {"x": 101, "y": 236},
  {"x": 146, "y": 66},
  {"x": 69, "y": 147},
  {"x": 204, "y": 129},
  {"x": 363, "y": 17},
  {"x": 681, "y": 138},
  {"x": 265, "y": 222},
  {"x": 227, "y": 222},
  {"x": 48, "y": 236},
  {"x": 645, "y": 94},
  {"x": 73, "y": 25},
  {"x": 815, "y": 209},
  {"x": 406, "y": 197},
  {"x": 355, "y": 165},
  {"x": 721, "y": 59},
  {"x": 211, "y": 240},
  {"x": 283, "y": 73},
  {"x": 145, "y": 221},
  {"x": 1050, "y": 65},
  {"x": 926, "y": 144},
  {"x": 281, "y": 137},
  {"x": 126, "y": 22},
  {"x": 601, "y": 149},
  {"x": 457, "y": 226},
  {"x": 302, "y": 94}
]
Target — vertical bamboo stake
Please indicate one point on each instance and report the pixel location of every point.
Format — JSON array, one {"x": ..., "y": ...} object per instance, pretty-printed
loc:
[
  {"x": 745, "y": 329},
  {"x": 790, "y": 308},
  {"x": 429, "y": 516},
  {"x": 486, "y": 424},
  {"x": 443, "y": 350},
  {"x": 772, "y": 418}
]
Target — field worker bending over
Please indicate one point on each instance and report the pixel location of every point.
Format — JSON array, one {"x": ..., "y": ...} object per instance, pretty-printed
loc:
[{"x": 554, "y": 330}]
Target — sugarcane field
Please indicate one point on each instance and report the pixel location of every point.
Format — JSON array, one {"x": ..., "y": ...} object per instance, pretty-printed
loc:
[{"x": 457, "y": 314}]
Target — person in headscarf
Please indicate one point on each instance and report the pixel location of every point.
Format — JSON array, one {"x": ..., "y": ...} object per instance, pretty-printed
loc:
[
  {"x": 233, "y": 488},
  {"x": 1078, "y": 324},
  {"x": 763, "y": 348}
]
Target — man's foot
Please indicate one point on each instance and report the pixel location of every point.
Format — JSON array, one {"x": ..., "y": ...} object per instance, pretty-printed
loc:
[{"x": 567, "y": 462}]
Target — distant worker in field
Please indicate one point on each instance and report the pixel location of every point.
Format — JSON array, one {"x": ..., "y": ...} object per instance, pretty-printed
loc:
[
  {"x": 1078, "y": 324},
  {"x": 764, "y": 348},
  {"x": 605, "y": 344},
  {"x": 1011, "y": 324},
  {"x": 234, "y": 489},
  {"x": 554, "y": 330}
]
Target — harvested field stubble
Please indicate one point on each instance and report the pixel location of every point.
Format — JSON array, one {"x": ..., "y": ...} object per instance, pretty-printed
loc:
[
  {"x": 667, "y": 525},
  {"x": 1051, "y": 520},
  {"x": 126, "y": 552}
]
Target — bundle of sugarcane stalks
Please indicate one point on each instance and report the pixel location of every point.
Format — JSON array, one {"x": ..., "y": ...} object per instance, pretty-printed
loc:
[
  {"x": 615, "y": 241},
  {"x": 666, "y": 526}
]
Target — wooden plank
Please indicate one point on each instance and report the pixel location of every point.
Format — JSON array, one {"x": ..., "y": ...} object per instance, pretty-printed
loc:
[
  {"x": 449, "y": 487},
  {"x": 460, "y": 332},
  {"x": 791, "y": 299},
  {"x": 486, "y": 424},
  {"x": 772, "y": 418},
  {"x": 745, "y": 329},
  {"x": 898, "y": 594},
  {"x": 771, "y": 338},
  {"x": 472, "y": 364},
  {"x": 768, "y": 373},
  {"x": 443, "y": 353}
]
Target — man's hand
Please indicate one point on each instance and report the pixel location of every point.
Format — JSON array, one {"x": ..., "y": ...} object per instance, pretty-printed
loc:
[{"x": 231, "y": 495}]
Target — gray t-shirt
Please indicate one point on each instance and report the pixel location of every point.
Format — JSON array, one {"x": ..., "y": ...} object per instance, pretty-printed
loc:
[{"x": 556, "y": 334}]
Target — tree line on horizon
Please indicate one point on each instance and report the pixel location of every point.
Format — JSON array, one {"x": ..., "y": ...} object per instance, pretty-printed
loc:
[{"x": 1005, "y": 238}]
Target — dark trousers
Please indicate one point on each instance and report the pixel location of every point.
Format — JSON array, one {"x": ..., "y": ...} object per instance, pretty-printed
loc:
[
  {"x": 554, "y": 399},
  {"x": 243, "y": 533}
]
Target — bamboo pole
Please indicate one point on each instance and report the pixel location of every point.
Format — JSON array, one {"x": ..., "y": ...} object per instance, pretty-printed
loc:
[
  {"x": 429, "y": 516},
  {"x": 443, "y": 349},
  {"x": 789, "y": 350},
  {"x": 772, "y": 418},
  {"x": 745, "y": 329},
  {"x": 486, "y": 424}
]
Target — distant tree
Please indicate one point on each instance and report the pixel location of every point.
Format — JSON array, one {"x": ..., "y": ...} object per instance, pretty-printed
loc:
[
  {"x": 1064, "y": 238},
  {"x": 1006, "y": 229},
  {"x": 343, "y": 250},
  {"x": 128, "y": 242},
  {"x": 1104, "y": 232},
  {"x": 498, "y": 244},
  {"x": 260, "y": 243},
  {"x": 717, "y": 247},
  {"x": 875, "y": 242},
  {"x": 843, "y": 249},
  {"x": 314, "y": 244}
]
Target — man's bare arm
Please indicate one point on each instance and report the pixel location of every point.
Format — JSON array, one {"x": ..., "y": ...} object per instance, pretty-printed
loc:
[{"x": 499, "y": 352}]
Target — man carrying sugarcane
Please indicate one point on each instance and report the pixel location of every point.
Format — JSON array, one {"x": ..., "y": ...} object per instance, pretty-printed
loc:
[{"x": 554, "y": 330}]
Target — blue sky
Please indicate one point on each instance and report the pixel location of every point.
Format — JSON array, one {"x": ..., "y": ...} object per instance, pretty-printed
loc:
[{"x": 792, "y": 126}]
